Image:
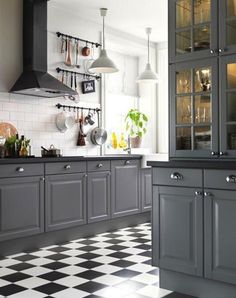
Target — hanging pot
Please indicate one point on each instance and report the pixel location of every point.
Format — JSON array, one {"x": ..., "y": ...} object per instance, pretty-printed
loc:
[{"x": 98, "y": 135}]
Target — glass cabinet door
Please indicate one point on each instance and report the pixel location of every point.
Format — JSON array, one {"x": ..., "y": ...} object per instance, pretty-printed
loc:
[
  {"x": 227, "y": 26},
  {"x": 194, "y": 109},
  {"x": 228, "y": 106},
  {"x": 192, "y": 32}
]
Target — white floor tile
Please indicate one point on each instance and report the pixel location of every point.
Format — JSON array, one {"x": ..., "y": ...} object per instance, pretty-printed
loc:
[
  {"x": 72, "y": 270},
  {"x": 36, "y": 271},
  {"x": 32, "y": 282},
  {"x": 39, "y": 261},
  {"x": 153, "y": 292},
  {"x": 71, "y": 281},
  {"x": 70, "y": 293},
  {"x": 28, "y": 294},
  {"x": 109, "y": 280},
  {"x": 107, "y": 269},
  {"x": 141, "y": 268},
  {"x": 146, "y": 278}
]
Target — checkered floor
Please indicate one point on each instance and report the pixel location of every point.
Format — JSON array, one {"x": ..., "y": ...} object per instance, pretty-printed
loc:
[{"x": 111, "y": 265}]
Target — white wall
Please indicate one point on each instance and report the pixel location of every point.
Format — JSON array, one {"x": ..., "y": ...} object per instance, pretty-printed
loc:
[
  {"x": 35, "y": 117},
  {"x": 162, "y": 99}
]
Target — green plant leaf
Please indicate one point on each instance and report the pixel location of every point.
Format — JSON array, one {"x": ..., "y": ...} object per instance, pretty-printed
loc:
[{"x": 140, "y": 134}]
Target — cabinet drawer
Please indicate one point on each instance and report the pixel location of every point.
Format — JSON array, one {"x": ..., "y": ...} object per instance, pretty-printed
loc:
[
  {"x": 21, "y": 170},
  {"x": 220, "y": 179},
  {"x": 99, "y": 165},
  {"x": 65, "y": 167},
  {"x": 177, "y": 177}
]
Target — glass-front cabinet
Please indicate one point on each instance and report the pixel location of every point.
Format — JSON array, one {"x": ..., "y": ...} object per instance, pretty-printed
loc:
[
  {"x": 193, "y": 32},
  {"x": 227, "y": 26},
  {"x": 228, "y": 106},
  {"x": 194, "y": 112}
]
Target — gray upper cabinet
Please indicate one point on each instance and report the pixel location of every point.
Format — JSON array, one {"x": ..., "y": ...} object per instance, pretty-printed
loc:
[
  {"x": 146, "y": 189},
  {"x": 220, "y": 240},
  {"x": 194, "y": 109},
  {"x": 227, "y": 27},
  {"x": 99, "y": 196},
  {"x": 125, "y": 187},
  {"x": 228, "y": 106},
  {"x": 192, "y": 29},
  {"x": 178, "y": 229},
  {"x": 65, "y": 199},
  {"x": 21, "y": 207}
]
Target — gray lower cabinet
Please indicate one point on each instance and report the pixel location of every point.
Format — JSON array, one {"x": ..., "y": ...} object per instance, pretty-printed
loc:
[
  {"x": 65, "y": 198},
  {"x": 178, "y": 229},
  {"x": 125, "y": 199},
  {"x": 220, "y": 236},
  {"x": 21, "y": 207},
  {"x": 99, "y": 196},
  {"x": 146, "y": 189}
]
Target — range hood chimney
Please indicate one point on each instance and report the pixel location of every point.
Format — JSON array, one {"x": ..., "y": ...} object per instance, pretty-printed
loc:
[{"x": 35, "y": 80}]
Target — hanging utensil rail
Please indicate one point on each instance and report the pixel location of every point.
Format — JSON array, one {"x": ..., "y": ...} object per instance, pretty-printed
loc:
[
  {"x": 59, "y": 34},
  {"x": 85, "y": 75},
  {"x": 60, "y": 106}
]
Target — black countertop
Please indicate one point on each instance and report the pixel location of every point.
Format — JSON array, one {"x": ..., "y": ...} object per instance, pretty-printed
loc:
[
  {"x": 196, "y": 164},
  {"x": 67, "y": 158}
]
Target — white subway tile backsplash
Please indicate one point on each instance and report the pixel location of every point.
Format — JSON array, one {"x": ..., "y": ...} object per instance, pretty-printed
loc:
[{"x": 35, "y": 118}]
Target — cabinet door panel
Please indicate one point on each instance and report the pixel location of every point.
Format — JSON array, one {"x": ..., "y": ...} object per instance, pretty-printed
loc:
[
  {"x": 192, "y": 33},
  {"x": 65, "y": 201},
  {"x": 180, "y": 230},
  {"x": 227, "y": 26},
  {"x": 220, "y": 239},
  {"x": 125, "y": 188},
  {"x": 228, "y": 106},
  {"x": 99, "y": 196},
  {"x": 194, "y": 109},
  {"x": 21, "y": 207},
  {"x": 146, "y": 189}
]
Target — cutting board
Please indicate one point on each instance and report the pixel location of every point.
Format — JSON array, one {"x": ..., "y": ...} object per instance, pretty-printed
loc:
[{"x": 7, "y": 130}]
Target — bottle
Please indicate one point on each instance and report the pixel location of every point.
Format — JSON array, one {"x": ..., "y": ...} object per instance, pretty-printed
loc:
[
  {"x": 23, "y": 149},
  {"x": 114, "y": 140},
  {"x": 17, "y": 145},
  {"x": 122, "y": 143}
]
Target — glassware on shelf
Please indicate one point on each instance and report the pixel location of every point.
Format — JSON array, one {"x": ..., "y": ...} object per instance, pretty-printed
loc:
[
  {"x": 183, "y": 13},
  {"x": 202, "y": 80},
  {"x": 202, "y": 11},
  {"x": 202, "y": 138},
  {"x": 183, "y": 82},
  {"x": 183, "y": 111}
]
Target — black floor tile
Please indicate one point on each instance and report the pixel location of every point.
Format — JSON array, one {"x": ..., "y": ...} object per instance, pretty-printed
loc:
[
  {"x": 50, "y": 288},
  {"x": 10, "y": 290},
  {"x": 52, "y": 276},
  {"x": 122, "y": 263},
  {"x": 91, "y": 287},
  {"x": 16, "y": 277},
  {"x": 55, "y": 265},
  {"x": 89, "y": 274},
  {"x": 126, "y": 273},
  {"x": 89, "y": 264},
  {"x": 21, "y": 266}
]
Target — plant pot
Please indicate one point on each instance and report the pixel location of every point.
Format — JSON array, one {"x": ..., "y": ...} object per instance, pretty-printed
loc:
[{"x": 135, "y": 142}]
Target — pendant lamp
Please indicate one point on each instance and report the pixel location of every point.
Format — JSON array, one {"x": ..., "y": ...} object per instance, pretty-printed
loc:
[
  {"x": 103, "y": 64},
  {"x": 148, "y": 76}
]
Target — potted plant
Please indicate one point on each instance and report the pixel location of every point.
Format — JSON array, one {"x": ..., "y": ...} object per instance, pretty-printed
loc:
[{"x": 136, "y": 126}]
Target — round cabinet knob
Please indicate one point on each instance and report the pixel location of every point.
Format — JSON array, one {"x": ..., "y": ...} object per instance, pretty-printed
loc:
[
  {"x": 213, "y": 153},
  {"x": 176, "y": 176},
  {"x": 42, "y": 179},
  {"x": 85, "y": 175},
  {"x": 231, "y": 179},
  {"x": 222, "y": 153},
  {"x": 198, "y": 193},
  {"x": 100, "y": 165},
  {"x": 207, "y": 194},
  {"x": 212, "y": 51},
  {"x": 68, "y": 167},
  {"x": 20, "y": 170},
  {"x": 127, "y": 162},
  {"x": 222, "y": 50}
]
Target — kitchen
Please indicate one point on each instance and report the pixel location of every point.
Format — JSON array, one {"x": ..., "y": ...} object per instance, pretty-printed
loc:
[{"x": 117, "y": 148}]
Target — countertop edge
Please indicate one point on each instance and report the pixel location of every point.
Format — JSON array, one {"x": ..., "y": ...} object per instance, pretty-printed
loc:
[
  {"x": 67, "y": 159},
  {"x": 195, "y": 164}
]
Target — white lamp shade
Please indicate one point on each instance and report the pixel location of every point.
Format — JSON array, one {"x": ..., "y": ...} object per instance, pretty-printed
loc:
[
  {"x": 103, "y": 64},
  {"x": 148, "y": 76}
]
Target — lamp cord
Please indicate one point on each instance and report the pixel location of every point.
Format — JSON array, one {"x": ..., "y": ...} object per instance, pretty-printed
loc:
[
  {"x": 103, "y": 33},
  {"x": 148, "y": 49}
]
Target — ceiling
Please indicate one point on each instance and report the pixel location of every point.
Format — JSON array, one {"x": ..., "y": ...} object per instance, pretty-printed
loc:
[{"x": 129, "y": 16}]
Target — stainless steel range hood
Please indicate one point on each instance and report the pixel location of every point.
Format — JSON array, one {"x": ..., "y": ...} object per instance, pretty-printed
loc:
[{"x": 35, "y": 80}]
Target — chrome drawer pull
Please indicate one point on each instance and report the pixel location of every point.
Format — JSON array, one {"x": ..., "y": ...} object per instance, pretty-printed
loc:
[
  {"x": 231, "y": 179},
  {"x": 20, "y": 170},
  {"x": 176, "y": 176},
  {"x": 67, "y": 167},
  {"x": 100, "y": 165}
]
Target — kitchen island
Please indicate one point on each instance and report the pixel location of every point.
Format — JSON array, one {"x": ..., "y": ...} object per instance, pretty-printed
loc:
[
  {"x": 193, "y": 226},
  {"x": 51, "y": 200}
]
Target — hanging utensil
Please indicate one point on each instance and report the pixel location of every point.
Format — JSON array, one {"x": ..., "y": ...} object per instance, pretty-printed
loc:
[
  {"x": 89, "y": 62},
  {"x": 86, "y": 50},
  {"x": 63, "y": 45},
  {"x": 71, "y": 80},
  {"x": 98, "y": 135},
  {"x": 77, "y": 54},
  {"x": 81, "y": 135},
  {"x": 62, "y": 77},
  {"x": 68, "y": 61}
]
